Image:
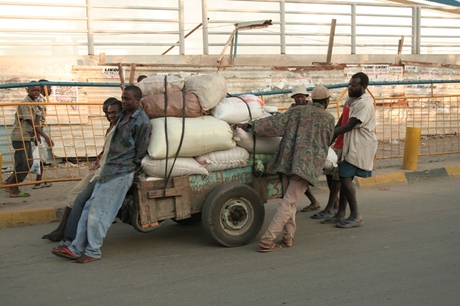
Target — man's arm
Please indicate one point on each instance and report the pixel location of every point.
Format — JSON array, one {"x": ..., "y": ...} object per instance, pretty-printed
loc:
[
  {"x": 352, "y": 122},
  {"x": 39, "y": 131},
  {"x": 142, "y": 142},
  {"x": 339, "y": 122}
]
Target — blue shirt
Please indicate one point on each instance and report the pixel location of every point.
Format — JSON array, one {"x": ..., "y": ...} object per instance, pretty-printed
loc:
[{"x": 128, "y": 146}]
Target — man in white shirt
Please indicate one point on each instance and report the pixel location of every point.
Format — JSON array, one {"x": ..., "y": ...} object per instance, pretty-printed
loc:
[{"x": 359, "y": 148}]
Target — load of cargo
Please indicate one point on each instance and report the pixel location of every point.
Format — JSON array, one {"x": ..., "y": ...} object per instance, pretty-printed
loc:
[{"x": 192, "y": 122}]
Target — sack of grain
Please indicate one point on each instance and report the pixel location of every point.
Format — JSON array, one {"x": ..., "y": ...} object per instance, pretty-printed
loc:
[
  {"x": 210, "y": 89},
  {"x": 155, "y": 84},
  {"x": 154, "y": 105},
  {"x": 266, "y": 145},
  {"x": 239, "y": 109},
  {"x": 236, "y": 157},
  {"x": 182, "y": 166},
  {"x": 201, "y": 135}
]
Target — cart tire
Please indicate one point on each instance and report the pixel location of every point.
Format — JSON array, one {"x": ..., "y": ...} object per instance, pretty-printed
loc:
[{"x": 233, "y": 214}]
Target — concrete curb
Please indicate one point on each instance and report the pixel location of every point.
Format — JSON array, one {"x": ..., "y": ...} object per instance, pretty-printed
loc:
[
  {"x": 47, "y": 215},
  {"x": 409, "y": 177},
  {"x": 28, "y": 217}
]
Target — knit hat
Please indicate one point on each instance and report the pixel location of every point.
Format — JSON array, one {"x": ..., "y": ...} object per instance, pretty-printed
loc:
[
  {"x": 299, "y": 90},
  {"x": 319, "y": 93}
]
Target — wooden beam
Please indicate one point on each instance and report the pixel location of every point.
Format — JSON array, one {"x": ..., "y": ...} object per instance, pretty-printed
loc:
[
  {"x": 131, "y": 74},
  {"x": 121, "y": 74},
  {"x": 331, "y": 41}
]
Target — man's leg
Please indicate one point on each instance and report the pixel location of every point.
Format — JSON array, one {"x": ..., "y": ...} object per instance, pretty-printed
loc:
[
  {"x": 297, "y": 184},
  {"x": 104, "y": 209},
  {"x": 22, "y": 163},
  {"x": 77, "y": 209},
  {"x": 314, "y": 203},
  {"x": 59, "y": 233},
  {"x": 285, "y": 213},
  {"x": 349, "y": 191}
]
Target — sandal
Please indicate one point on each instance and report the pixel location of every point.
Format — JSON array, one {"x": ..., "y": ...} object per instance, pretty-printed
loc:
[
  {"x": 21, "y": 194},
  {"x": 85, "y": 259},
  {"x": 64, "y": 252},
  {"x": 272, "y": 248},
  {"x": 350, "y": 223},
  {"x": 310, "y": 208},
  {"x": 332, "y": 220},
  {"x": 286, "y": 243},
  {"x": 42, "y": 186}
]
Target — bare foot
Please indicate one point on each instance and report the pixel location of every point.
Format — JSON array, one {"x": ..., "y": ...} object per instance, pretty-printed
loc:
[
  {"x": 311, "y": 207},
  {"x": 55, "y": 236}
]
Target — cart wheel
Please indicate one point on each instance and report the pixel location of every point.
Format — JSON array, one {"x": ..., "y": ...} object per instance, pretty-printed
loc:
[
  {"x": 133, "y": 206},
  {"x": 233, "y": 214}
]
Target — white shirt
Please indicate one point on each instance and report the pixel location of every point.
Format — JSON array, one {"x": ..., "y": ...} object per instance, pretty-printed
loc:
[{"x": 360, "y": 144}]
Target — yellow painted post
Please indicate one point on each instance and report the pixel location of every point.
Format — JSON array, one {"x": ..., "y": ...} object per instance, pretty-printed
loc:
[{"x": 411, "y": 148}]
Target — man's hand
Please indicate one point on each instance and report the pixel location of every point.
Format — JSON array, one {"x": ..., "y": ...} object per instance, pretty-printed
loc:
[{"x": 49, "y": 141}]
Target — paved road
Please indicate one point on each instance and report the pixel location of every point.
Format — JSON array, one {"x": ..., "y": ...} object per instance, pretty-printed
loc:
[{"x": 406, "y": 253}]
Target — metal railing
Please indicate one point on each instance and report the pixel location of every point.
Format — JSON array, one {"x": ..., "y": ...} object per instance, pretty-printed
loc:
[
  {"x": 299, "y": 27},
  {"x": 304, "y": 27},
  {"x": 77, "y": 129},
  {"x": 90, "y": 28}
]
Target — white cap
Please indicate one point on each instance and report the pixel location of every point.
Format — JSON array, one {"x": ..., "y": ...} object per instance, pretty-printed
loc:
[
  {"x": 319, "y": 93},
  {"x": 299, "y": 90}
]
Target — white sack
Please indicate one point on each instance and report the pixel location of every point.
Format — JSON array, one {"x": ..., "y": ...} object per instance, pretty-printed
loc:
[
  {"x": 201, "y": 135},
  {"x": 236, "y": 157},
  {"x": 267, "y": 145},
  {"x": 235, "y": 110},
  {"x": 35, "y": 168},
  {"x": 183, "y": 166},
  {"x": 331, "y": 160},
  {"x": 209, "y": 89},
  {"x": 155, "y": 84}
]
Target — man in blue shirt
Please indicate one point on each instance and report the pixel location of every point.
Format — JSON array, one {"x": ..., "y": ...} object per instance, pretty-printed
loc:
[{"x": 128, "y": 146}]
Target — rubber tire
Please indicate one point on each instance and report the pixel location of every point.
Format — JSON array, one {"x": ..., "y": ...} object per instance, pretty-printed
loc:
[{"x": 233, "y": 201}]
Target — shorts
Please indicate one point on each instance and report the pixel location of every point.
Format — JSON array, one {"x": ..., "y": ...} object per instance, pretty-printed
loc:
[
  {"x": 348, "y": 170},
  {"x": 335, "y": 171}
]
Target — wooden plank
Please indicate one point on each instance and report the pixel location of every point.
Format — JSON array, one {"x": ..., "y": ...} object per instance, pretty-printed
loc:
[
  {"x": 169, "y": 192},
  {"x": 147, "y": 207},
  {"x": 182, "y": 202}
]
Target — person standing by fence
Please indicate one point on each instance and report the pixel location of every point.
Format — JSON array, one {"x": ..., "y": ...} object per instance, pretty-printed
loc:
[{"x": 26, "y": 128}]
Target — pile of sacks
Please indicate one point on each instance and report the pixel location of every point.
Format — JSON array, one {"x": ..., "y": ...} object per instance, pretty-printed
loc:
[{"x": 192, "y": 122}]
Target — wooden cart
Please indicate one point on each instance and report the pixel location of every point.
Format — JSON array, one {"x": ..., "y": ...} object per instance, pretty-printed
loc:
[{"x": 229, "y": 203}]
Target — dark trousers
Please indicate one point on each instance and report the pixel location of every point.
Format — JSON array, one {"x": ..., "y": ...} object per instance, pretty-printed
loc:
[{"x": 23, "y": 160}]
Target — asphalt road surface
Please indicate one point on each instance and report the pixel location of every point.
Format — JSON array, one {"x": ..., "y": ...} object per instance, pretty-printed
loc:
[{"x": 406, "y": 253}]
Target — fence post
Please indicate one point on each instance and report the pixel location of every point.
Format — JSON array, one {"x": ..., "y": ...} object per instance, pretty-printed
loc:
[{"x": 411, "y": 148}]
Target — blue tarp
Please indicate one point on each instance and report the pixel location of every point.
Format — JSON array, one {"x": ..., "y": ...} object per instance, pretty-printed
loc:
[{"x": 448, "y": 2}]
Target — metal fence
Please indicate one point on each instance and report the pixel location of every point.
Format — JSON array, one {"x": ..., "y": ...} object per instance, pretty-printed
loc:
[
  {"x": 153, "y": 27},
  {"x": 304, "y": 27},
  {"x": 77, "y": 129},
  {"x": 437, "y": 115},
  {"x": 75, "y": 28}
]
